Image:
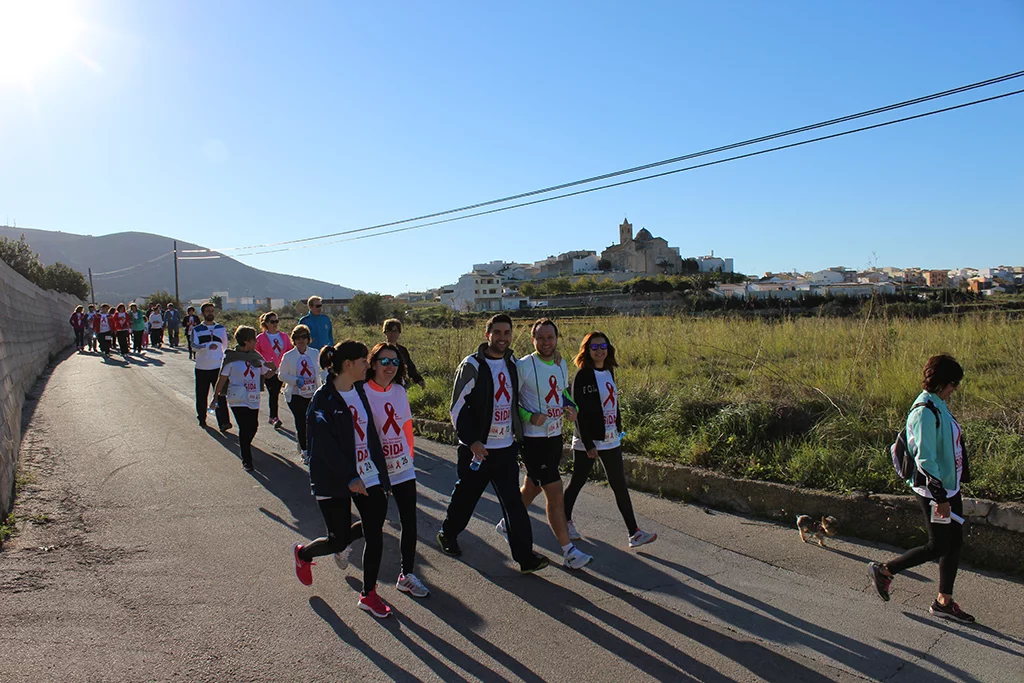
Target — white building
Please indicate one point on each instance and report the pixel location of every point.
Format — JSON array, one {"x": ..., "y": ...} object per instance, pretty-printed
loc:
[
  {"x": 714, "y": 264},
  {"x": 480, "y": 290},
  {"x": 587, "y": 264}
]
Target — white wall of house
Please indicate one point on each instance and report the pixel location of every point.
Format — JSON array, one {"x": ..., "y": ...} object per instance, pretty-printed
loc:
[
  {"x": 713, "y": 264},
  {"x": 587, "y": 264}
]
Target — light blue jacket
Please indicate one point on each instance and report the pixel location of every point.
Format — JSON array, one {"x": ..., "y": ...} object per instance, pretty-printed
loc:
[
  {"x": 932, "y": 446},
  {"x": 320, "y": 329}
]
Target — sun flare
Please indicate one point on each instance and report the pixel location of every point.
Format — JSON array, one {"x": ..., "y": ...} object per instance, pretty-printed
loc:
[{"x": 33, "y": 35}]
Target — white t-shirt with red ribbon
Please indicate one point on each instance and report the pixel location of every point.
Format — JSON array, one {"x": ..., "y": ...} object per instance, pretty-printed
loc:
[
  {"x": 541, "y": 388},
  {"x": 501, "y": 435},
  {"x": 609, "y": 394},
  {"x": 300, "y": 373},
  {"x": 364, "y": 463},
  {"x": 243, "y": 384},
  {"x": 393, "y": 419}
]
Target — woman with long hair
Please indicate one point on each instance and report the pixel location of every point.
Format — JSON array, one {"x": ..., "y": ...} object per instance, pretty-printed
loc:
[
  {"x": 122, "y": 328},
  {"x": 937, "y": 442},
  {"x": 598, "y": 432},
  {"x": 385, "y": 392},
  {"x": 346, "y": 464},
  {"x": 272, "y": 344},
  {"x": 137, "y": 322},
  {"x": 239, "y": 384},
  {"x": 300, "y": 372}
]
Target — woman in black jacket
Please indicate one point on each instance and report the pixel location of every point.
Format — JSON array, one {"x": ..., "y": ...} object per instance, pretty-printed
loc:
[
  {"x": 598, "y": 432},
  {"x": 346, "y": 463}
]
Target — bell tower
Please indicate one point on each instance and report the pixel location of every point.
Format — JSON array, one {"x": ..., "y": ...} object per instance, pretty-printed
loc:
[{"x": 625, "y": 232}]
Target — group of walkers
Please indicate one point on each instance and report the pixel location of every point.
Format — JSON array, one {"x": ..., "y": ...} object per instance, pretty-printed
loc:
[
  {"x": 353, "y": 428},
  {"x": 361, "y": 448},
  {"x": 125, "y": 328}
]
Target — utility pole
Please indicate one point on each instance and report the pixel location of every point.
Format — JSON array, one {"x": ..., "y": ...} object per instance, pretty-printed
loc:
[
  {"x": 176, "y": 297},
  {"x": 92, "y": 290}
]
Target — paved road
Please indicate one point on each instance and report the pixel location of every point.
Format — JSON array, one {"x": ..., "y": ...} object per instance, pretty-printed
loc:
[{"x": 149, "y": 554}]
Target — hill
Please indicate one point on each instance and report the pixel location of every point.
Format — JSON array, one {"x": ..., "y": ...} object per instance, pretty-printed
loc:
[{"x": 126, "y": 265}]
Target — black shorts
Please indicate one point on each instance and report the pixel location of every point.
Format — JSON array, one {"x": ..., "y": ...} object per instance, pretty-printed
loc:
[{"x": 542, "y": 455}]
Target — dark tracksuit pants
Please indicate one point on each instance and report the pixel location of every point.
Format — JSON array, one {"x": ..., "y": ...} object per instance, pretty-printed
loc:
[
  {"x": 248, "y": 420},
  {"x": 172, "y": 335},
  {"x": 337, "y": 512},
  {"x": 500, "y": 469},
  {"x": 944, "y": 544},
  {"x": 205, "y": 380},
  {"x": 273, "y": 385},
  {"x": 298, "y": 406}
]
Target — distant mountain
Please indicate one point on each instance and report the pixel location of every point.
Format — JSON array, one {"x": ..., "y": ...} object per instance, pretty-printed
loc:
[{"x": 120, "y": 253}]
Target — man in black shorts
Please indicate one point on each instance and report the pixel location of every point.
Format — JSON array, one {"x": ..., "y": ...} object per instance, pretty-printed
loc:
[{"x": 543, "y": 403}]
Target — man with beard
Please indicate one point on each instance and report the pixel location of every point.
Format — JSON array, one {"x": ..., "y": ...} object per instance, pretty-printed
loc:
[{"x": 484, "y": 410}]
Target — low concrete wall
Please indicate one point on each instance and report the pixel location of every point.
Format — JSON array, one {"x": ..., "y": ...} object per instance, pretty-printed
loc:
[
  {"x": 995, "y": 531},
  {"x": 33, "y": 329}
]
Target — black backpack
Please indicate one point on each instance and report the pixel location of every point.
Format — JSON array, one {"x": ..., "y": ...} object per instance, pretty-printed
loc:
[{"x": 902, "y": 459}]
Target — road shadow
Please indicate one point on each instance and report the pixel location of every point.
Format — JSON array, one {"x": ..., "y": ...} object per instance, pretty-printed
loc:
[
  {"x": 144, "y": 361},
  {"x": 971, "y": 632},
  {"x": 757, "y": 617},
  {"x": 348, "y": 636},
  {"x": 31, "y": 402}
]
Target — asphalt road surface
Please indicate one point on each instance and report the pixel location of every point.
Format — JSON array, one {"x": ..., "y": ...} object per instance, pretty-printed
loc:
[{"x": 147, "y": 553}]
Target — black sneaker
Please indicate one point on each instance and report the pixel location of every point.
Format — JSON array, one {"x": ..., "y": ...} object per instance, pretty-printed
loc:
[
  {"x": 449, "y": 546},
  {"x": 952, "y": 612},
  {"x": 202, "y": 424},
  {"x": 247, "y": 466},
  {"x": 225, "y": 427},
  {"x": 534, "y": 565},
  {"x": 881, "y": 581}
]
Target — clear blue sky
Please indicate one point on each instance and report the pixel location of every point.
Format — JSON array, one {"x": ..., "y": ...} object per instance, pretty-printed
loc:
[{"x": 236, "y": 122}]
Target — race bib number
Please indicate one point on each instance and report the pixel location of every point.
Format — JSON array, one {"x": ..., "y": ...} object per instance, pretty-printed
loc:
[
  {"x": 365, "y": 464},
  {"x": 501, "y": 424},
  {"x": 398, "y": 460},
  {"x": 611, "y": 432},
  {"x": 554, "y": 421}
]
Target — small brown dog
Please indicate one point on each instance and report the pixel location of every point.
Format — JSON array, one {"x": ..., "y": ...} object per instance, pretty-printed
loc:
[{"x": 816, "y": 530}]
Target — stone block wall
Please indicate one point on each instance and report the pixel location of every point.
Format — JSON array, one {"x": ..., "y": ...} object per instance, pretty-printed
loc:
[{"x": 33, "y": 329}]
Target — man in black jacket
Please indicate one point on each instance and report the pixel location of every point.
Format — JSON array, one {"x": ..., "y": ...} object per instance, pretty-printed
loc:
[{"x": 484, "y": 411}]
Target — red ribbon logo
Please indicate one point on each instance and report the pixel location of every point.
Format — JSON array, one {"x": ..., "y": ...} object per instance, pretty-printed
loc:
[
  {"x": 611, "y": 394},
  {"x": 277, "y": 346},
  {"x": 503, "y": 388},
  {"x": 305, "y": 369},
  {"x": 355, "y": 421},
  {"x": 392, "y": 421},
  {"x": 248, "y": 371},
  {"x": 553, "y": 394}
]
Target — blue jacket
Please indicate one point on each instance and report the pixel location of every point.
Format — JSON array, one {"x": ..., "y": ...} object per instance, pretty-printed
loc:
[
  {"x": 332, "y": 444},
  {"x": 321, "y": 330}
]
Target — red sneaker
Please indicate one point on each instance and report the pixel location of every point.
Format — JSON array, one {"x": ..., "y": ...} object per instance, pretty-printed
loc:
[
  {"x": 303, "y": 569},
  {"x": 372, "y": 603}
]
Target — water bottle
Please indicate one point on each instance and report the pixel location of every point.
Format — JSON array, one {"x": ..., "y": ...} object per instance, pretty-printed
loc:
[
  {"x": 474, "y": 464},
  {"x": 212, "y": 410}
]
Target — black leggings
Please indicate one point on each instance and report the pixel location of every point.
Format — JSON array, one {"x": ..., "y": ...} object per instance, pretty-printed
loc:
[
  {"x": 612, "y": 461},
  {"x": 944, "y": 543},
  {"x": 137, "y": 340},
  {"x": 405, "y": 498},
  {"x": 298, "y": 406},
  {"x": 248, "y": 420},
  {"x": 337, "y": 512},
  {"x": 156, "y": 336},
  {"x": 79, "y": 338},
  {"x": 123, "y": 337},
  {"x": 105, "y": 340},
  {"x": 273, "y": 385}
]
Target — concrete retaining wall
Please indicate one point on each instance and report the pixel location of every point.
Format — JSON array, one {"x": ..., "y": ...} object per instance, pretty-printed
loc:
[
  {"x": 995, "y": 531},
  {"x": 33, "y": 329}
]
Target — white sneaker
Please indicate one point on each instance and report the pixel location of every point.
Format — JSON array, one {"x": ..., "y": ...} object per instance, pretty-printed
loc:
[
  {"x": 642, "y": 537},
  {"x": 576, "y": 558},
  {"x": 341, "y": 559},
  {"x": 409, "y": 583},
  {"x": 500, "y": 528},
  {"x": 305, "y": 458},
  {"x": 573, "y": 534}
]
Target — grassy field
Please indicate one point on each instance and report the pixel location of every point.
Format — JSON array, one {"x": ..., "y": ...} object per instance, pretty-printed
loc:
[{"x": 806, "y": 401}]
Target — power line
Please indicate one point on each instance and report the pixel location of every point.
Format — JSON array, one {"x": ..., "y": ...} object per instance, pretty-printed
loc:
[
  {"x": 111, "y": 273},
  {"x": 644, "y": 167},
  {"x": 641, "y": 179}
]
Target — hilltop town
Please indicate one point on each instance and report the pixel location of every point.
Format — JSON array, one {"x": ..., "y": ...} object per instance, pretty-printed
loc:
[{"x": 506, "y": 285}]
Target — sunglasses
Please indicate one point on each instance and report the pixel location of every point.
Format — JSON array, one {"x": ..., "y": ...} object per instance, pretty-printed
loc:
[
  {"x": 389, "y": 361},
  {"x": 317, "y": 306},
  {"x": 603, "y": 346},
  {"x": 301, "y": 336},
  {"x": 272, "y": 322}
]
